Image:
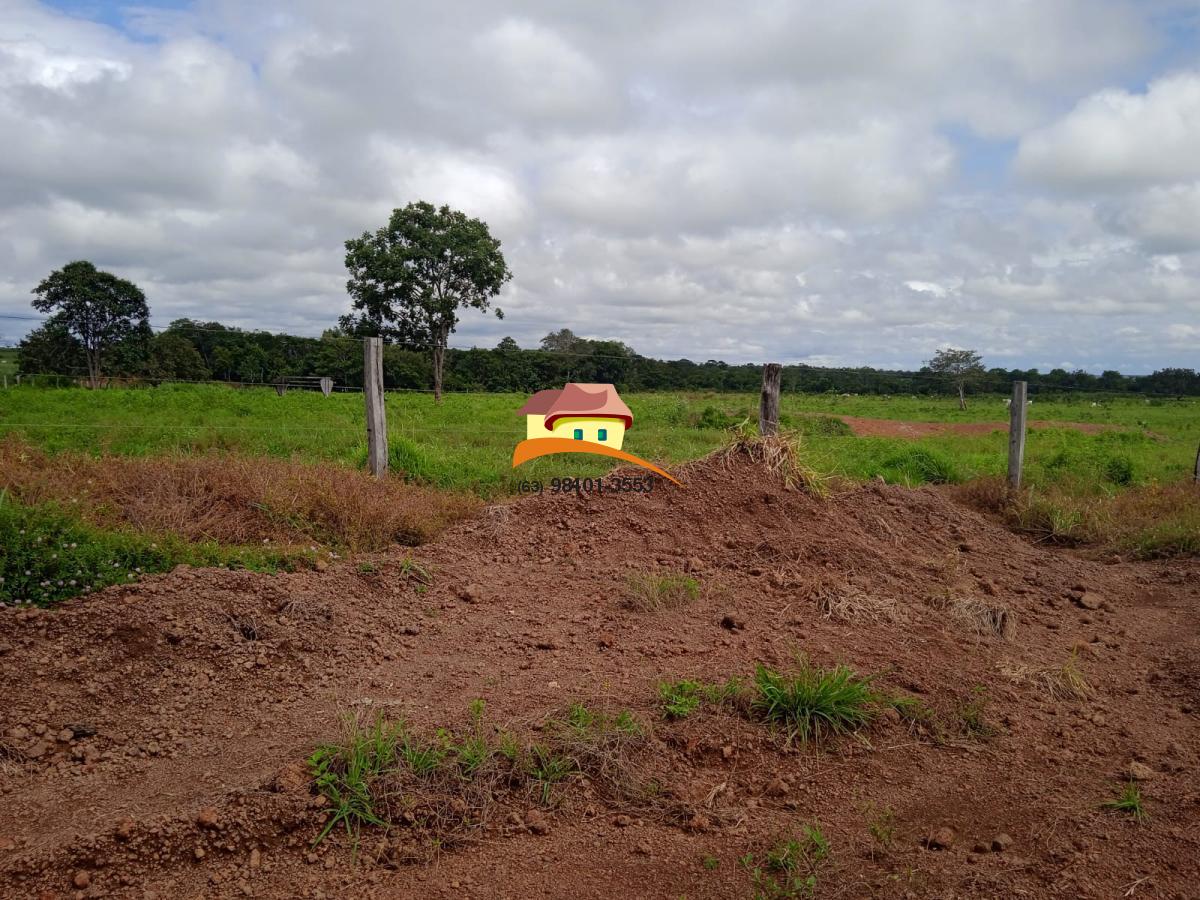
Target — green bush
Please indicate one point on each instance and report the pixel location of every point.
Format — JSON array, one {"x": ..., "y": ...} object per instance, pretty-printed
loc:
[
  {"x": 920, "y": 465},
  {"x": 1119, "y": 470}
]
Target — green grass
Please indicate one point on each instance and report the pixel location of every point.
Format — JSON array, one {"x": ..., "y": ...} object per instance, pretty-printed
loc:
[
  {"x": 1129, "y": 801},
  {"x": 789, "y": 868},
  {"x": 467, "y": 442},
  {"x": 681, "y": 698},
  {"x": 812, "y": 703},
  {"x": 347, "y": 772},
  {"x": 47, "y": 554},
  {"x": 649, "y": 592},
  {"x": 8, "y": 364}
]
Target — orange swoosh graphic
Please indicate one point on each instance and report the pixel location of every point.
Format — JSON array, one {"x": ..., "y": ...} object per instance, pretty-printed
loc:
[{"x": 535, "y": 447}]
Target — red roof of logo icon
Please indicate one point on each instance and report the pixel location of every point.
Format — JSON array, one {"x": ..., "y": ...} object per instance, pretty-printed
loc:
[{"x": 588, "y": 400}]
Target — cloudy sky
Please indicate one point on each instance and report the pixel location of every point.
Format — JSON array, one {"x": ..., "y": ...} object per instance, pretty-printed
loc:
[{"x": 842, "y": 184}]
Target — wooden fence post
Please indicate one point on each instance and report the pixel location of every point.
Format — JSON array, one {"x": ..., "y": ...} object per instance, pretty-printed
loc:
[
  {"x": 281, "y": 389},
  {"x": 326, "y": 386},
  {"x": 1016, "y": 433},
  {"x": 1196, "y": 476},
  {"x": 768, "y": 404},
  {"x": 377, "y": 451}
]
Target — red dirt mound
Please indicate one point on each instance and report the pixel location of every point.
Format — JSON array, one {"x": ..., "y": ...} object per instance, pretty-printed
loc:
[
  {"x": 901, "y": 429},
  {"x": 152, "y": 736}
]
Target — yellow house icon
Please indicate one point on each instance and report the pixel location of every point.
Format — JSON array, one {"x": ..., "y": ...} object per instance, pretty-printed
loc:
[{"x": 581, "y": 412}]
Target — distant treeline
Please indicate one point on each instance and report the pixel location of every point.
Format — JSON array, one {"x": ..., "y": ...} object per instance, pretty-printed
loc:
[{"x": 189, "y": 350}]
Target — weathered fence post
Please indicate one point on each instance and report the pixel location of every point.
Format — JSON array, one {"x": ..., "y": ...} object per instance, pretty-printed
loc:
[
  {"x": 1016, "y": 433},
  {"x": 768, "y": 404},
  {"x": 281, "y": 389},
  {"x": 377, "y": 452},
  {"x": 1196, "y": 476},
  {"x": 326, "y": 386}
]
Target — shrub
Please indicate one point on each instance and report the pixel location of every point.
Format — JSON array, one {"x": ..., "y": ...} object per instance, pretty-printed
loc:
[{"x": 1119, "y": 470}]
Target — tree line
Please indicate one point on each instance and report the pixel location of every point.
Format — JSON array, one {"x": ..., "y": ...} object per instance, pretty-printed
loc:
[{"x": 192, "y": 350}]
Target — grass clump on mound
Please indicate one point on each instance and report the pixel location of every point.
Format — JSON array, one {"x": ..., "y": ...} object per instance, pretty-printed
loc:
[
  {"x": 650, "y": 592},
  {"x": 777, "y": 453},
  {"x": 812, "y": 703},
  {"x": 439, "y": 788}
]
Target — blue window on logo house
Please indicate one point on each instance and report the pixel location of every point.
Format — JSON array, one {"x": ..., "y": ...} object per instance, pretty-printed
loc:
[
  {"x": 602, "y": 434},
  {"x": 579, "y": 434}
]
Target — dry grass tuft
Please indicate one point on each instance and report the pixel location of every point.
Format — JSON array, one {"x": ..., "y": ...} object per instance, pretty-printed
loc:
[
  {"x": 1150, "y": 521},
  {"x": 978, "y": 617},
  {"x": 1066, "y": 682},
  {"x": 845, "y": 604},
  {"x": 777, "y": 453},
  {"x": 233, "y": 499}
]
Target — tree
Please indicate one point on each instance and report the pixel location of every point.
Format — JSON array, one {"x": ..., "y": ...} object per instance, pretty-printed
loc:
[
  {"x": 96, "y": 307},
  {"x": 174, "y": 356},
  {"x": 960, "y": 367},
  {"x": 409, "y": 279},
  {"x": 561, "y": 341},
  {"x": 508, "y": 345}
]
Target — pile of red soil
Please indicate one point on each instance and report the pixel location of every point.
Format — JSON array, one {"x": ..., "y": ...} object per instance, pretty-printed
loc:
[{"x": 152, "y": 737}]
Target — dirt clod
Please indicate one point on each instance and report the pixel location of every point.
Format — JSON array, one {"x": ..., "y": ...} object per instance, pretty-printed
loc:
[{"x": 941, "y": 839}]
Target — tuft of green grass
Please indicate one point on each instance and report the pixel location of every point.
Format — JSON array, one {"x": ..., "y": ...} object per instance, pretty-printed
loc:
[
  {"x": 683, "y": 697},
  {"x": 971, "y": 714},
  {"x": 812, "y": 703},
  {"x": 920, "y": 465},
  {"x": 1129, "y": 801},
  {"x": 548, "y": 767},
  {"x": 651, "y": 592},
  {"x": 789, "y": 868},
  {"x": 710, "y": 863},
  {"x": 347, "y": 771},
  {"x": 881, "y": 825}
]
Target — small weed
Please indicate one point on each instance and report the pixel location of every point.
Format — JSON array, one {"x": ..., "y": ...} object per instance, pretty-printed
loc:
[
  {"x": 710, "y": 863},
  {"x": 919, "y": 716},
  {"x": 813, "y": 703},
  {"x": 682, "y": 698},
  {"x": 881, "y": 824},
  {"x": 1129, "y": 801},
  {"x": 346, "y": 772},
  {"x": 970, "y": 714},
  {"x": 789, "y": 869},
  {"x": 548, "y": 767},
  {"x": 367, "y": 568},
  {"x": 411, "y": 570},
  {"x": 648, "y": 592},
  {"x": 421, "y": 758}
]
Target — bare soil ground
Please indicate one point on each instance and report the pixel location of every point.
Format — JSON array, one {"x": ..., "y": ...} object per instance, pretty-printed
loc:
[
  {"x": 897, "y": 428},
  {"x": 152, "y": 737}
]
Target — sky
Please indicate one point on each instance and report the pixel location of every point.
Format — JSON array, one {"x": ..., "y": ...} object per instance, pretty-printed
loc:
[{"x": 859, "y": 183}]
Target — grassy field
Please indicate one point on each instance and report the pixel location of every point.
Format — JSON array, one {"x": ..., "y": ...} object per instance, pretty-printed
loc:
[
  {"x": 100, "y": 487},
  {"x": 8, "y": 363},
  {"x": 466, "y": 443}
]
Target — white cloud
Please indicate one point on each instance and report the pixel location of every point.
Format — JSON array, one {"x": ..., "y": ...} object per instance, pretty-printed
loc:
[
  {"x": 1115, "y": 139},
  {"x": 820, "y": 182}
]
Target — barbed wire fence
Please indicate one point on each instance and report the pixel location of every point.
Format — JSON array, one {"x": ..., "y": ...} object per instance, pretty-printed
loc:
[{"x": 376, "y": 390}]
